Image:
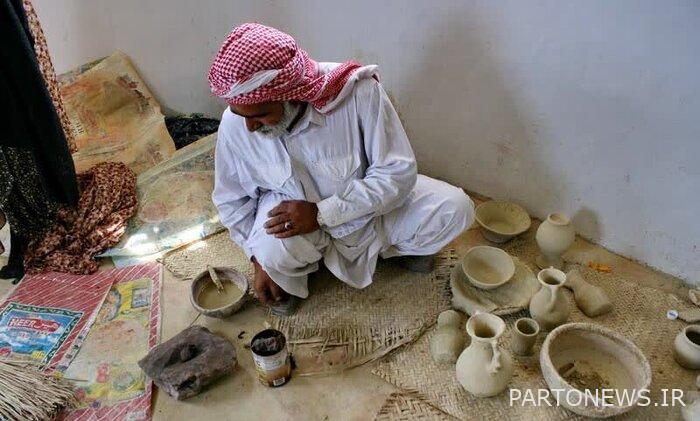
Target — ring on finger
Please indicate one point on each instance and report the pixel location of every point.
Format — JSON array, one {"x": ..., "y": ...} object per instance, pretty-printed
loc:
[{"x": 288, "y": 225}]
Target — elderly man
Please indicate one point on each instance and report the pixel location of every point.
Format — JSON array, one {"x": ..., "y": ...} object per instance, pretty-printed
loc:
[{"x": 312, "y": 163}]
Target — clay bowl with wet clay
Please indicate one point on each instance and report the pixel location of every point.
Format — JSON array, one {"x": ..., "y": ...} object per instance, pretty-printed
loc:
[
  {"x": 209, "y": 301},
  {"x": 488, "y": 267},
  {"x": 501, "y": 221},
  {"x": 593, "y": 367}
]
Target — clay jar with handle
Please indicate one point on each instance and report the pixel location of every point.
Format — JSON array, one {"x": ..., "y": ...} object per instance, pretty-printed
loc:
[
  {"x": 484, "y": 368},
  {"x": 592, "y": 300},
  {"x": 686, "y": 347},
  {"x": 549, "y": 305},
  {"x": 554, "y": 236},
  {"x": 449, "y": 339}
]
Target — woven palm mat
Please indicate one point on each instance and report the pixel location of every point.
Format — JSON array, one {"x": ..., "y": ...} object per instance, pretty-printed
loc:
[
  {"x": 339, "y": 327},
  {"x": 408, "y": 407},
  {"x": 639, "y": 315},
  {"x": 216, "y": 250}
]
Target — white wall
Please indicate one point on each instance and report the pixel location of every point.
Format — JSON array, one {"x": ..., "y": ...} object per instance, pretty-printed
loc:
[{"x": 588, "y": 107}]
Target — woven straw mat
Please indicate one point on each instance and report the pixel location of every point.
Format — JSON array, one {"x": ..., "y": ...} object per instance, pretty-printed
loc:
[
  {"x": 215, "y": 250},
  {"x": 639, "y": 314},
  {"x": 408, "y": 407},
  {"x": 340, "y": 327}
]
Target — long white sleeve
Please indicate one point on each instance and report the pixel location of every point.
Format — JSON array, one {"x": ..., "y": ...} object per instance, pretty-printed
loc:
[
  {"x": 236, "y": 207},
  {"x": 392, "y": 169}
]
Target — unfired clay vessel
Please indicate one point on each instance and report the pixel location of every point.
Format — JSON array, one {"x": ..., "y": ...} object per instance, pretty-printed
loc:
[
  {"x": 554, "y": 236},
  {"x": 592, "y": 300},
  {"x": 686, "y": 347},
  {"x": 448, "y": 339},
  {"x": 488, "y": 267},
  {"x": 549, "y": 306},
  {"x": 577, "y": 357},
  {"x": 524, "y": 336},
  {"x": 484, "y": 368},
  {"x": 501, "y": 221}
]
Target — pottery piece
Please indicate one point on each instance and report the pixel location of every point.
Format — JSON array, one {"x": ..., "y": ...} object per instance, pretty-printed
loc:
[
  {"x": 549, "y": 306},
  {"x": 525, "y": 333},
  {"x": 582, "y": 358},
  {"x": 694, "y": 296},
  {"x": 488, "y": 267},
  {"x": 484, "y": 369},
  {"x": 691, "y": 410},
  {"x": 592, "y": 300},
  {"x": 448, "y": 339},
  {"x": 209, "y": 301},
  {"x": 686, "y": 347},
  {"x": 554, "y": 236},
  {"x": 509, "y": 298},
  {"x": 501, "y": 221}
]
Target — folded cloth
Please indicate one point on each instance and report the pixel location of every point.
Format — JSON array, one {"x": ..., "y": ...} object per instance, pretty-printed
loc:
[{"x": 107, "y": 201}]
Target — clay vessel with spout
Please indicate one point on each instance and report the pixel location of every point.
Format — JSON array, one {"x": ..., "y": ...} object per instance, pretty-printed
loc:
[
  {"x": 484, "y": 368},
  {"x": 549, "y": 305}
]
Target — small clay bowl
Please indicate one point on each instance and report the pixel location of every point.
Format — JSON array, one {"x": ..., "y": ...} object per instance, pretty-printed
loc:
[
  {"x": 488, "y": 267},
  {"x": 576, "y": 357},
  {"x": 226, "y": 274},
  {"x": 501, "y": 221}
]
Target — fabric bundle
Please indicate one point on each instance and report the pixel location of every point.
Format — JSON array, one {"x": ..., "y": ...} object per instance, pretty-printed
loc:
[{"x": 107, "y": 201}]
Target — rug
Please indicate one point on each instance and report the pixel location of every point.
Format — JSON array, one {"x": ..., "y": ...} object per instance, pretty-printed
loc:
[
  {"x": 340, "y": 327},
  {"x": 639, "y": 314},
  {"x": 408, "y": 407},
  {"x": 217, "y": 250},
  {"x": 110, "y": 384},
  {"x": 47, "y": 316}
]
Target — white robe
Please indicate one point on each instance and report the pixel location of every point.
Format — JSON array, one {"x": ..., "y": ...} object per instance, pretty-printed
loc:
[{"x": 357, "y": 164}]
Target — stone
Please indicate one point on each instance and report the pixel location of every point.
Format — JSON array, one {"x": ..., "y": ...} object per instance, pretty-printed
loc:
[{"x": 185, "y": 364}]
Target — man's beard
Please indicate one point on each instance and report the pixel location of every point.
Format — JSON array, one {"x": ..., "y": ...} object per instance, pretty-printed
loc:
[{"x": 273, "y": 132}]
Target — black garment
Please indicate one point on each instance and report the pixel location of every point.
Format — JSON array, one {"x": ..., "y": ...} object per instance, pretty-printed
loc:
[
  {"x": 29, "y": 120},
  {"x": 37, "y": 171}
]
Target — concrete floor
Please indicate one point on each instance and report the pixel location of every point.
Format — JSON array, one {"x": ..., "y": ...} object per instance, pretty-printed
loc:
[{"x": 354, "y": 395}]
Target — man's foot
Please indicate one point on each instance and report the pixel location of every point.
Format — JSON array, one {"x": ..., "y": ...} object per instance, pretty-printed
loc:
[
  {"x": 287, "y": 307},
  {"x": 420, "y": 264}
]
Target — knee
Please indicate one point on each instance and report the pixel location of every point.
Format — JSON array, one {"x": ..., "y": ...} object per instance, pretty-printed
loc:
[
  {"x": 282, "y": 254},
  {"x": 459, "y": 205}
]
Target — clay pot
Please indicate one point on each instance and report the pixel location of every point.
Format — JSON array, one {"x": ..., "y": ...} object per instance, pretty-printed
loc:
[
  {"x": 549, "y": 306},
  {"x": 501, "y": 221},
  {"x": 554, "y": 236},
  {"x": 592, "y": 300},
  {"x": 488, "y": 267},
  {"x": 484, "y": 368},
  {"x": 524, "y": 336},
  {"x": 686, "y": 347},
  {"x": 579, "y": 358},
  {"x": 448, "y": 340}
]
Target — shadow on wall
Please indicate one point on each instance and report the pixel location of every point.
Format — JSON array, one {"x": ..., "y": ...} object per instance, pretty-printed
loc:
[{"x": 458, "y": 89}]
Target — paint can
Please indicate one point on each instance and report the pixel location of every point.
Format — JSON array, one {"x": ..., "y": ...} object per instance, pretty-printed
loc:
[{"x": 271, "y": 357}]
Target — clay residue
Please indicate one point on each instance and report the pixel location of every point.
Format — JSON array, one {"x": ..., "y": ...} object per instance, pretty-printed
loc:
[
  {"x": 584, "y": 379},
  {"x": 211, "y": 298}
]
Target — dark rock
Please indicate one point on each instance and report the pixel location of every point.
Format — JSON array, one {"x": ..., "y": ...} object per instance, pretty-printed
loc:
[{"x": 192, "y": 359}]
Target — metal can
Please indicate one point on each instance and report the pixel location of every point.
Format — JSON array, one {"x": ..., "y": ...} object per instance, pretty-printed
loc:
[{"x": 271, "y": 357}]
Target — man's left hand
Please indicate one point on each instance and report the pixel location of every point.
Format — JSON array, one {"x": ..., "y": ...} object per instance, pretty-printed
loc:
[{"x": 292, "y": 217}]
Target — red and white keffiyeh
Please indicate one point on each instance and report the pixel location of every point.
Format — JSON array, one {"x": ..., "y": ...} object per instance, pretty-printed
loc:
[{"x": 258, "y": 64}]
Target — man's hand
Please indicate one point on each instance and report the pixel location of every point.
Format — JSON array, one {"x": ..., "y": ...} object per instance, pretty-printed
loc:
[
  {"x": 265, "y": 288},
  {"x": 292, "y": 217}
]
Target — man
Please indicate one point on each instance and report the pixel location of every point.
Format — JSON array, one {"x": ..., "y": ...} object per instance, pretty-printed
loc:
[{"x": 312, "y": 163}]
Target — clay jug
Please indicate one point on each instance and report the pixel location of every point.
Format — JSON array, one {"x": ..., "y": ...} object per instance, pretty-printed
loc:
[
  {"x": 448, "y": 340},
  {"x": 592, "y": 300},
  {"x": 484, "y": 368},
  {"x": 549, "y": 306},
  {"x": 686, "y": 347},
  {"x": 554, "y": 236}
]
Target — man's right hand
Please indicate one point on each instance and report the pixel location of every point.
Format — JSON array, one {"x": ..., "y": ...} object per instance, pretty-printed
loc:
[{"x": 265, "y": 288}]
